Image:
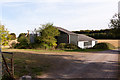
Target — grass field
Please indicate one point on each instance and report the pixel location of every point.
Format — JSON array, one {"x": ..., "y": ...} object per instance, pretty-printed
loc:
[{"x": 115, "y": 43}]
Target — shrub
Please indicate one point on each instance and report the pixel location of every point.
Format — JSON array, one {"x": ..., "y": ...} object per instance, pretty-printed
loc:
[
  {"x": 67, "y": 46},
  {"x": 103, "y": 46},
  {"x": 62, "y": 45},
  {"x": 71, "y": 46},
  {"x": 44, "y": 46},
  {"x": 110, "y": 46},
  {"x": 23, "y": 43}
]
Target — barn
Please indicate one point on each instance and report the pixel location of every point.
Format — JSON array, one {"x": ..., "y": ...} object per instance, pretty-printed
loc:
[{"x": 80, "y": 40}]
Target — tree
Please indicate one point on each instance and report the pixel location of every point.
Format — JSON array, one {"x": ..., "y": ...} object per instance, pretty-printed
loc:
[
  {"x": 115, "y": 24},
  {"x": 48, "y": 33},
  {"x": 23, "y": 38},
  {"x": 4, "y": 34},
  {"x": 12, "y": 36},
  {"x": 21, "y": 34}
]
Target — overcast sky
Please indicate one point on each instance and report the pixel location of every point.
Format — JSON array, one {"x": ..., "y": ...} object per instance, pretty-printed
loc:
[{"x": 20, "y": 15}]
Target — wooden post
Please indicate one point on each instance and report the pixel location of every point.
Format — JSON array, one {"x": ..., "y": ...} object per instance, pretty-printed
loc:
[{"x": 12, "y": 65}]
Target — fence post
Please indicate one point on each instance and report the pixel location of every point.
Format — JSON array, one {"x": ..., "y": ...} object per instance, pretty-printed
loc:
[{"x": 12, "y": 65}]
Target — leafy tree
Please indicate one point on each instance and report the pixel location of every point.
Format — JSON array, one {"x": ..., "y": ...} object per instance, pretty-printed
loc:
[
  {"x": 21, "y": 34},
  {"x": 12, "y": 36},
  {"x": 48, "y": 33},
  {"x": 23, "y": 42},
  {"x": 4, "y": 35},
  {"x": 115, "y": 24}
]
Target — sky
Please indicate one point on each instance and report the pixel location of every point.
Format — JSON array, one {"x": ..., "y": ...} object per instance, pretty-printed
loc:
[{"x": 18, "y": 16}]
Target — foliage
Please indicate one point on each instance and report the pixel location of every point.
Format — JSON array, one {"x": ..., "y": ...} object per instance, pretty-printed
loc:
[
  {"x": 71, "y": 46},
  {"x": 110, "y": 46},
  {"x": 115, "y": 24},
  {"x": 112, "y": 33},
  {"x": 99, "y": 34},
  {"x": 37, "y": 39},
  {"x": 104, "y": 46},
  {"x": 62, "y": 45},
  {"x": 48, "y": 33},
  {"x": 67, "y": 46},
  {"x": 101, "y": 46},
  {"x": 21, "y": 34},
  {"x": 44, "y": 46},
  {"x": 4, "y": 34},
  {"x": 12, "y": 36},
  {"x": 23, "y": 42}
]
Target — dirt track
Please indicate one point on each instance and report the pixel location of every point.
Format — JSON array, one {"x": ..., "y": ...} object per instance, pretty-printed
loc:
[{"x": 102, "y": 64}]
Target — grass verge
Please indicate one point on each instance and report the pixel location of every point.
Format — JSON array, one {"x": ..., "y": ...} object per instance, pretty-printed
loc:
[{"x": 65, "y": 50}]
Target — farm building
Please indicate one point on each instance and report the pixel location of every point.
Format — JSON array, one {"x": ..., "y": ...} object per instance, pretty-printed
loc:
[
  {"x": 80, "y": 40},
  {"x": 66, "y": 36}
]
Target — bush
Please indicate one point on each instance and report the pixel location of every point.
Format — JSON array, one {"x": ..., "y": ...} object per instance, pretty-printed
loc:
[
  {"x": 104, "y": 46},
  {"x": 67, "y": 46},
  {"x": 62, "y": 45},
  {"x": 44, "y": 46},
  {"x": 22, "y": 46},
  {"x": 71, "y": 46},
  {"x": 23, "y": 43}
]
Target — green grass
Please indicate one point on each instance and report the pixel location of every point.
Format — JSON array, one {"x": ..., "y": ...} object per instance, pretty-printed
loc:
[
  {"x": 84, "y": 50},
  {"x": 65, "y": 50},
  {"x": 42, "y": 50}
]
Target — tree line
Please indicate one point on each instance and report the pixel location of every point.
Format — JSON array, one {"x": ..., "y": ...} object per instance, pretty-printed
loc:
[
  {"x": 99, "y": 34},
  {"x": 112, "y": 33}
]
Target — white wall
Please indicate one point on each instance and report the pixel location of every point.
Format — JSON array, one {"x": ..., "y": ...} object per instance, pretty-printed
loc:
[
  {"x": 93, "y": 43},
  {"x": 81, "y": 44}
]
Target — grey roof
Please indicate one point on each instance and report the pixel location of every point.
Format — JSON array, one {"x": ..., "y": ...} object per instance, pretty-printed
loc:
[
  {"x": 64, "y": 30},
  {"x": 81, "y": 37}
]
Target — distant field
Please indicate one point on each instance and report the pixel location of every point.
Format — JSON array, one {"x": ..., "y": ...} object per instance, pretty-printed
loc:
[{"x": 115, "y": 43}]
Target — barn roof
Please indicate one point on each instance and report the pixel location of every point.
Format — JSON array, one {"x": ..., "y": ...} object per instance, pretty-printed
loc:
[
  {"x": 81, "y": 37},
  {"x": 64, "y": 30}
]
